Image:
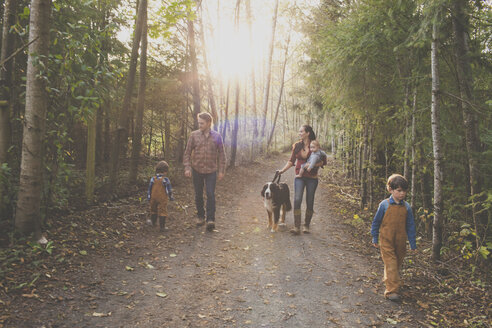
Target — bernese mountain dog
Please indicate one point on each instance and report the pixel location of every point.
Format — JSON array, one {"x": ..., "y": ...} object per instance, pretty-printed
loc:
[{"x": 276, "y": 197}]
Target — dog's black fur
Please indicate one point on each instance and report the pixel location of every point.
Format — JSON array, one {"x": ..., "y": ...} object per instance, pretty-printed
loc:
[{"x": 276, "y": 197}]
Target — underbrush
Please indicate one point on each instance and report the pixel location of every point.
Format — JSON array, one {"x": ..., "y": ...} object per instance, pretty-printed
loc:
[{"x": 454, "y": 291}]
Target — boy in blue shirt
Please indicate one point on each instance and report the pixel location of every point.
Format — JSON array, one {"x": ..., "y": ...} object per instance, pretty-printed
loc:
[
  {"x": 159, "y": 191},
  {"x": 392, "y": 225}
]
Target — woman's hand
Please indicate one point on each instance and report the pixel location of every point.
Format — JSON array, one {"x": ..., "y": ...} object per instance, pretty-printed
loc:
[{"x": 286, "y": 167}]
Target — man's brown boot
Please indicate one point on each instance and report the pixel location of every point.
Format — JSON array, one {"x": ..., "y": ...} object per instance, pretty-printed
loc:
[{"x": 200, "y": 221}]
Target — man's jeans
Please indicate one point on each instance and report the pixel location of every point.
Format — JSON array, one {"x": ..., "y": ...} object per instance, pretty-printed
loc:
[
  {"x": 299, "y": 184},
  {"x": 209, "y": 180}
]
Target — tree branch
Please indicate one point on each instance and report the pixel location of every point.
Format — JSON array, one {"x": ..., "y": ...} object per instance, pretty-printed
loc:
[
  {"x": 477, "y": 108},
  {"x": 16, "y": 52}
]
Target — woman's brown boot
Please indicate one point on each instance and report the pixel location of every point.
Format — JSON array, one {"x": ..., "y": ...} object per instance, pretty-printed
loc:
[
  {"x": 296, "y": 230},
  {"x": 307, "y": 221}
]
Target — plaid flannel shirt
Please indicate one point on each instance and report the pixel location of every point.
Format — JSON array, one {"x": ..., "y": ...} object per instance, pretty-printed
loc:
[{"x": 205, "y": 154}]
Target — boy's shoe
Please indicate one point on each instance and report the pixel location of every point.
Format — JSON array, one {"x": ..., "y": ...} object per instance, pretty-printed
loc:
[
  {"x": 305, "y": 229},
  {"x": 153, "y": 219},
  {"x": 393, "y": 297},
  {"x": 200, "y": 221},
  {"x": 162, "y": 223},
  {"x": 210, "y": 225}
]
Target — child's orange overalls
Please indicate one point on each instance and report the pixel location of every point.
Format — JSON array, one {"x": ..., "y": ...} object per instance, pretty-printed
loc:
[
  {"x": 158, "y": 198},
  {"x": 393, "y": 243}
]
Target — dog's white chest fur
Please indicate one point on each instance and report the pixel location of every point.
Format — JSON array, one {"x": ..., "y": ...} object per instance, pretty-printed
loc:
[
  {"x": 267, "y": 199},
  {"x": 268, "y": 204}
]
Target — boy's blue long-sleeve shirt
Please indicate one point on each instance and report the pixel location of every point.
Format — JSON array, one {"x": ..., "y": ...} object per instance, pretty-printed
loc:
[
  {"x": 410, "y": 223},
  {"x": 165, "y": 182}
]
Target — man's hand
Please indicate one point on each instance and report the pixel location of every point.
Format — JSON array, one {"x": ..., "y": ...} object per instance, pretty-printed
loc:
[
  {"x": 375, "y": 245},
  {"x": 221, "y": 175},
  {"x": 188, "y": 173}
]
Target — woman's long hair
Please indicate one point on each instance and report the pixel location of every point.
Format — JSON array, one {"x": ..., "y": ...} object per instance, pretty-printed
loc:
[{"x": 312, "y": 136}]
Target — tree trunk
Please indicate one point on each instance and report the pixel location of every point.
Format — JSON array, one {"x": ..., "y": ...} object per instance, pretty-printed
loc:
[
  {"x": 121, "y": 130},
  {"x": 253, "y": 80},
  {"x": 151, "y": 133},
  {"x": 406, "y": 156},
  {"x": 195, "y": 83},
  {"x": 282, "y": 84},
  {"x": 425, "y": 191},
  {"x": 10, "y": 8},
  {"x": 413, "y": 138},
  {"x": 235, "y": 129},
  {"x": 465, "y": 81},
  {"x": 137, "y": 138},
  {"x": 210, "y": 85},
  {"x": 27, "y": 218},
  {"x": 226, "y": 114},
  {"x": 6, "y": 75},
  {"x": 364, "y": 164},
  {"x": 90, "y": 163},
  {"x": 370, "y": 169},
  {"x": 266, "y": 92},
  {"x": 437, "y": 226}
]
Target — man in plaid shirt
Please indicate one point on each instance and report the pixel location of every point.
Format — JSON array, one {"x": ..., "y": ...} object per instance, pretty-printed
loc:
[{"x": 204, "y": 160}]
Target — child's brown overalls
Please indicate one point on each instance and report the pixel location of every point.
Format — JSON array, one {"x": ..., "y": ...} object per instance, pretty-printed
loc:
[
  {"x": 392, "y": 243},
  {"x": 158, "y": 198}
]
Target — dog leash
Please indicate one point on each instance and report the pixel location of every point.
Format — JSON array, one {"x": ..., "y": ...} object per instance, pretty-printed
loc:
[{"x": 277, "y": 176}]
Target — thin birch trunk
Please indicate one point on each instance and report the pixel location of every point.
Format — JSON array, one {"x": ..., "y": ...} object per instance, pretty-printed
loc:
[
  {"x": 413, "y": 139},
  {"x": 226, "y": 114},
  {"x": 364, "y": 158},
  {"x": 406, "y": 156},
  {"x": 235, "y": 129},
  {"x": 266, "y": 91},
  {"x": 282, "y": 84},
  {"x": 210, "y": 85},
  {"x": 151, "y": 136},
  {"x": 195, "y": 83},
  {"x": 370, "y": 170},
  {"x": 437, "y": 226},
  {"x": 253, "y": 80}
]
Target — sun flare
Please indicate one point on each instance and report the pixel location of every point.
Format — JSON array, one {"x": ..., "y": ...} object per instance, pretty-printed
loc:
[{"x": 233, "y": 50}]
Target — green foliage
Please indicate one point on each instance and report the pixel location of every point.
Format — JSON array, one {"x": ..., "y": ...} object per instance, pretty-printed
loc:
[
  {"x": 8, "y": 192},
  {"x": 168, "y": 15},
  {"x": 38, "y": 248},
  {"x": 368, "y": 57}
]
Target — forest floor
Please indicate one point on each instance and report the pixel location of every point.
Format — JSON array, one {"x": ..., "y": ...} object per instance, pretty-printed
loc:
[{"x": 104, "y": 267}]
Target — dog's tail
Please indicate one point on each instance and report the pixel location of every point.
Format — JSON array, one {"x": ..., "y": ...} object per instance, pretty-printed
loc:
[{"x": 288, "y": 204}]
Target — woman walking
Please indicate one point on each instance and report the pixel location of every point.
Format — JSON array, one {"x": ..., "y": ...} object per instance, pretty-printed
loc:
[{"x": 308, "y": 180}]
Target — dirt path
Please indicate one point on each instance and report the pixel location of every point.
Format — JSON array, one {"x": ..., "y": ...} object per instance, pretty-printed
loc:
[{"x": 240, "y": 275}]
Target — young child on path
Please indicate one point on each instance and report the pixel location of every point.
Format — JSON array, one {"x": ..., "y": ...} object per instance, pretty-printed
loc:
[
  {"x": 392, "y": 225},
  {"x": 315, "y": 157},
  {"x": 159, "y": 191}
]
